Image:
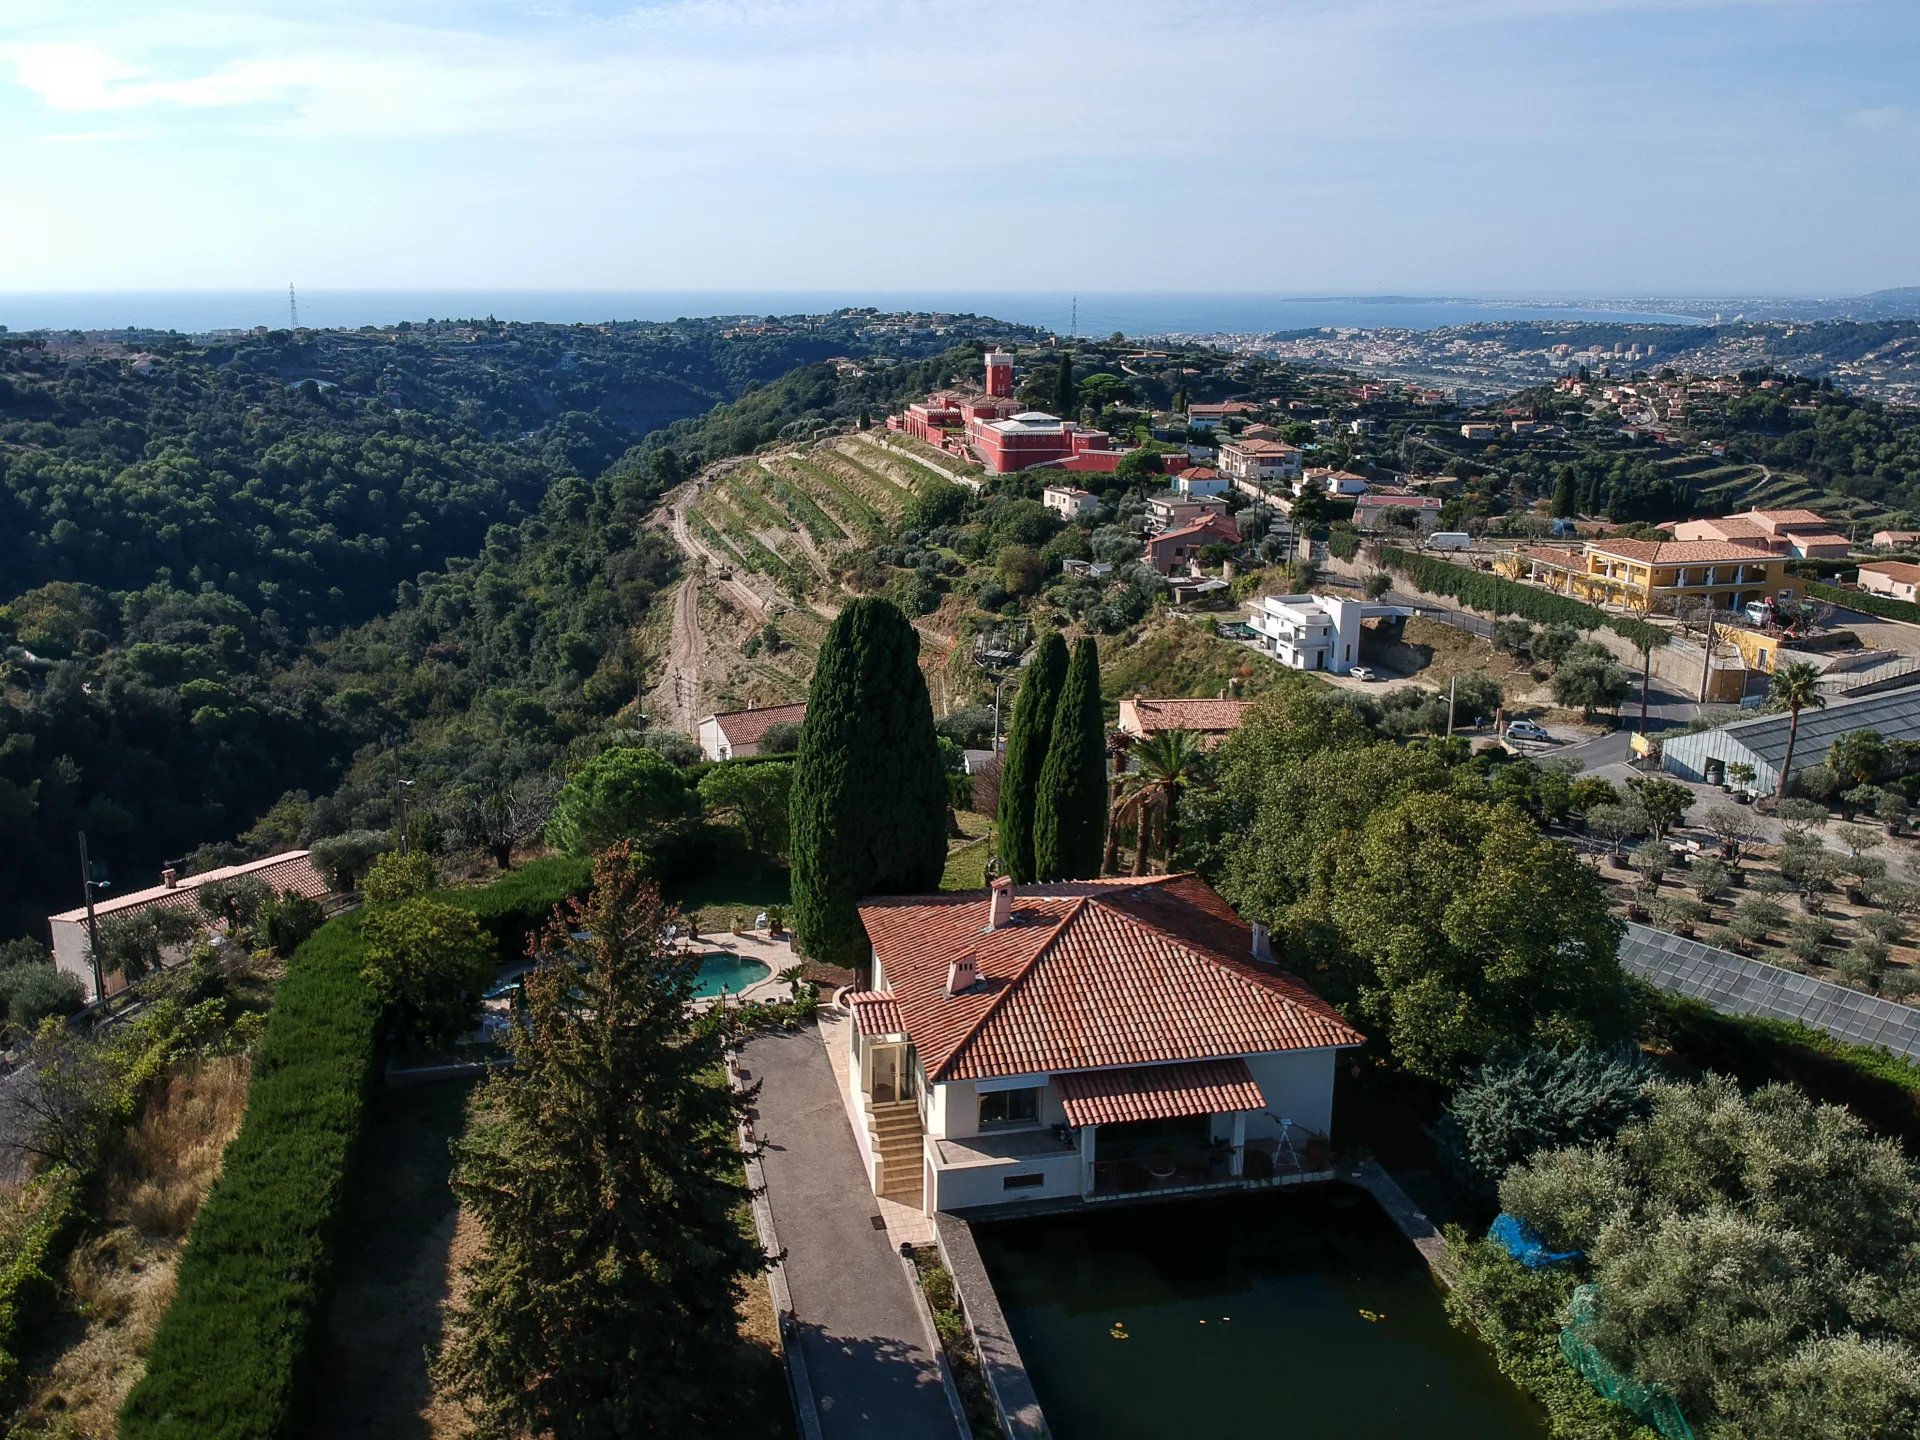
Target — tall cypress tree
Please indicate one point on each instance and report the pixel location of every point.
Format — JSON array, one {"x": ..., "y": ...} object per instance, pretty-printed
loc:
[
  {"x": 1565, "y": 501},
  {"x": 1070, "y": 810},
  {"x": 869, "y": 806},
  {"x": 1066, "y": 396},
  {"x": 1027, "y": 741}
]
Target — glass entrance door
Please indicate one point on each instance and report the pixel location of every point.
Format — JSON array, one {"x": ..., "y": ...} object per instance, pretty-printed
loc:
[{"x": 887, "y": 1074}]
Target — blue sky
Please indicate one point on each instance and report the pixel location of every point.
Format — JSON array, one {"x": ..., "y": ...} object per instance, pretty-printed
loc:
[{"x": 1300, "y": 146}]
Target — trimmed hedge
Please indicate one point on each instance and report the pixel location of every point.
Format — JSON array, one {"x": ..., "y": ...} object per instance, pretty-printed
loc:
[
  {"x": 46, "y": 1214},
  {"x": 1343, "y": 544},
  {"x": 230, "y": 1359},
  {"x": 1884, "y": 606},
  {"x": 518, "y": 903},
  {"x": 230, "y": 1355},
  {"x": 1496, "y": 595}
]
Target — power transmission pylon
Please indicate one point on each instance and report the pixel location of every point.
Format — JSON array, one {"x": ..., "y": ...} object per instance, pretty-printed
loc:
[{"x": 293, "y": 307}]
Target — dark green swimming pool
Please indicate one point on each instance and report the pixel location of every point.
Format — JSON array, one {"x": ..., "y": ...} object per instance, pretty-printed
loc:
[{"x": 1299, "y": 1314}]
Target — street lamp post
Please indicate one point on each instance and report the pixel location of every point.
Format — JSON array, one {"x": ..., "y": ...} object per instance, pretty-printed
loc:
[{"x": 93, "y": 924}]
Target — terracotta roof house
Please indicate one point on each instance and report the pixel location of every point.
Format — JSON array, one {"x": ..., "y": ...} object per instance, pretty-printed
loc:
[
  {"x": 734, "y": 734},
  {"x": 1798, "y": 533},
  {"x": 1177, "y": 548},
  {"x": 1893, "y": 578},
  {"x": 1212, "y": 720},
  {"x": 1896, "y": 539},
  {"x": 293, "y": 871},
  {"x": 1084, "y": 1041}
]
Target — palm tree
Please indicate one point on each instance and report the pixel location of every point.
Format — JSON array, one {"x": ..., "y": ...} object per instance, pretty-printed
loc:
[
  {"x": 1119, "y": 744},
  {"x": 1166, "y": 765},
  {"x": 1795, "y": 687}
]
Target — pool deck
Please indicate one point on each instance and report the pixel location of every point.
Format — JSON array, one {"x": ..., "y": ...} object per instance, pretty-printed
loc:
[{"x": 775, "y": 952}]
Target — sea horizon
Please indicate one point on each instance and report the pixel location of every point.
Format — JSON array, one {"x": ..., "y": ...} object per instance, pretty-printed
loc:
[{"x": 1093, "y": 313}]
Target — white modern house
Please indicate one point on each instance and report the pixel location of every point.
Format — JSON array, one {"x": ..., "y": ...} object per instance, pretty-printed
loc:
[
  {"x": 1312, "y": 632},
  {"x": 1199, "y": 482},
  {"x": 1084, "y": 1041},
  {"x": 1069, "y": 502}
]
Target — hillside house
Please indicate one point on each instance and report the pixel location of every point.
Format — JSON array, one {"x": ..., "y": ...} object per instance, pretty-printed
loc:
[
  {"x": 736, "y": 734},
  {"x": 1211, "y": 720},
  {"x": 294, "y": 870},
  {"x": 1084, "y": 1041},
  {"x": 1892, "y": 578},
  {"x": 1177, "y": 549},
  {"x": 1798, "y": 534},
  {"x": 1069, "y": 502}
]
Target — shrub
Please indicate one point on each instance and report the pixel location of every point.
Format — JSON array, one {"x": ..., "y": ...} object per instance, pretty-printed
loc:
[
  {"x": 427, "y": 962},
  {"x": 1539, "y": 1100},
  {"x": 1872, "y": 604},
  {"x": 518, "y": 903},
  {"x": 1807, "y": 937},
  {"x": 36, "y": 1223},
  {"x": 394, "y": 877}
]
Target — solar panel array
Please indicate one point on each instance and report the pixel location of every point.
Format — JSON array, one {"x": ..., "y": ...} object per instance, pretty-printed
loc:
[{"x": 1735, "y": 985}]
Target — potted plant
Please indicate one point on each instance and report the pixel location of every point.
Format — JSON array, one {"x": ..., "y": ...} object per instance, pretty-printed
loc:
[
  {"x": 1741, "y": 774},
  {"x": 776, "y": 920}
]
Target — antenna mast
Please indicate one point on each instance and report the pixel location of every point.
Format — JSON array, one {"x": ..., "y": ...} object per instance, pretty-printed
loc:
[
  {"x": 1073, "y": 325},
  {"x": 293, "y": 307}
]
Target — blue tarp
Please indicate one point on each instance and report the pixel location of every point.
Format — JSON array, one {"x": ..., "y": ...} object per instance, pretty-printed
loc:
[{"x": 1525, "y": 1245}]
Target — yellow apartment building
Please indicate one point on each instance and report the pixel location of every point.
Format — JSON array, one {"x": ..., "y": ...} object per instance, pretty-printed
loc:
[{"x": 1649, "y": 575}]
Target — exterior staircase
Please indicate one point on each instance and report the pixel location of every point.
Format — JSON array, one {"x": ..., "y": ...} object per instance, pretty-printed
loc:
[{"x": 898, "y": 1142}]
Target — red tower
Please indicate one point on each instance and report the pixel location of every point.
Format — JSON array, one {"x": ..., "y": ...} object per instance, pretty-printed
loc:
[{"x": 1000, "y": 374}]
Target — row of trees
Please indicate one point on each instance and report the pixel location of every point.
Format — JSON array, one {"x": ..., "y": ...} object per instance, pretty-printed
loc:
[{"x": 1053, "y": 789}]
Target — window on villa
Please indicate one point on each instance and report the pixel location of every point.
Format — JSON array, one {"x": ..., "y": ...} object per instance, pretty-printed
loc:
[
  {"x": 1010, "y": 1107},
  {"x": 1022, "y": 1182}
]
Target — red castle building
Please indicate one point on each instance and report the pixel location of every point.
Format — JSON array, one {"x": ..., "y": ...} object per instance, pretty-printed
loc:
[{"x": 1003, "y": 437}]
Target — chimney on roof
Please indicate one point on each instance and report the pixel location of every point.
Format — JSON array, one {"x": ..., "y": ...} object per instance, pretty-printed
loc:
[
  {"x": 1000, "y": 903},
  {"x": 962, "y": 975},
  {"x": 1262, "y": 945},
  {"x": 170, "y": 879}
]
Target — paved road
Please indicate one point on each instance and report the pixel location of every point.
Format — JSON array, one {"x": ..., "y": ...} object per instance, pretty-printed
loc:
[
  {"x": 1666, "y": 710},
  {"x": 872, "y": 1373}
]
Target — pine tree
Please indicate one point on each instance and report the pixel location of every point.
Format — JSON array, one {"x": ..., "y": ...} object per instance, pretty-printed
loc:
[
  {"x": 1066, "y": 396},
  {"x": 1070, "y": 809},
  {"x": 1027, "y": 741},
  {"x": 603, "y": 1170},
  {"x": 1565, "y": 502},
  {"x": 869, "y": 805}
]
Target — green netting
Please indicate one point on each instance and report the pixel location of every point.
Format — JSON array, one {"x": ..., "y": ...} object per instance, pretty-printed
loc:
[{"x": 1651, "y": 1404}]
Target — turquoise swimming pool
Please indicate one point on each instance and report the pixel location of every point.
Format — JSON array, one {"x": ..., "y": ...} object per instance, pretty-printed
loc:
[{"x": 722, "y": 971}]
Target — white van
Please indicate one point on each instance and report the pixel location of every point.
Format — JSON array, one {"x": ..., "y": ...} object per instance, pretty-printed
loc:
[{"x": 1448, "y": 540}]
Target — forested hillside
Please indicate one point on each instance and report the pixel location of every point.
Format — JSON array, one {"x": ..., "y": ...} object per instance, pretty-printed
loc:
[{"x": 226, "y": 571}]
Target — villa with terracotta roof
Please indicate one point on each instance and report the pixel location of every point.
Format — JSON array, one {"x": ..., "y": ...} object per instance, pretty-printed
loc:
[
  {"x": 1650, "y": 575},
  {"x": 735, "y": 734},
  {"x": 1083, "y": 1041},
  {"x": 1799, "y": 534},
  {"x": 293, "y": 871},
  {"x": 1895, "y": 579},
  {"x": 1212, "y": 720}
]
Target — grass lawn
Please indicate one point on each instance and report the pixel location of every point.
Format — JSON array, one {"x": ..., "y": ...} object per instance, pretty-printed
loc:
[
  {"x": 966, "y": 866},
  {"x": 722, "y": 896}
]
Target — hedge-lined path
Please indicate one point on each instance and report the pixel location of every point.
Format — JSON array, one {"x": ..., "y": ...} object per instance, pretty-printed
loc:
[{"x": 873, "y": 1376}]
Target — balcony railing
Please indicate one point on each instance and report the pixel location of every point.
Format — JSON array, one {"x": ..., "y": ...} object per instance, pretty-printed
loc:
[{"x": 1189, "y": 1167}]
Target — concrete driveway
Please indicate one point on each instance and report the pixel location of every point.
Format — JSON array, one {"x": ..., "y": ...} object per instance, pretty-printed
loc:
[{"x": 873, "y": 1375}]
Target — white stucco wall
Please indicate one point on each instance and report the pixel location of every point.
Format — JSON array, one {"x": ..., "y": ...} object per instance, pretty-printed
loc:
[
  {"x": 1298, "y": 1085},
  {"x": 70, "y": 952},
  {"x": 956, "y": 1187}
]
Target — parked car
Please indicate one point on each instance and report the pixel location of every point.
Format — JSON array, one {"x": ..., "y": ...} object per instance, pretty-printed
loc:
[
  {"x": 1363, "y": 672},
  {"x": 1527, "y": 730}
]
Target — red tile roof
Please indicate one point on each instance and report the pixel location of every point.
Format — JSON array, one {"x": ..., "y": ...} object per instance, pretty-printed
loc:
[
  {"x": 1206, "y": 716},
  {"x": 1215, "y": 525},
  {"x": 875, "y": 1013},
  {"x": 1896, "y": 570},
  {"x": 291, "y": 871},
  {"x": 1090, "y": 974},
  {"x": 749, "y": 727},
  {"x": 1681, "y": 552},
  {"x": 1160, "y": 1092}
]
